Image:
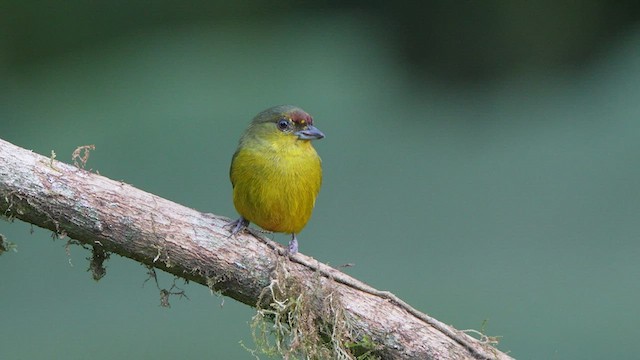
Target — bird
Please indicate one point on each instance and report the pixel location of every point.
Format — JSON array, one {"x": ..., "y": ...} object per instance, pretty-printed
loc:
[{"x": 276, "y": 173}]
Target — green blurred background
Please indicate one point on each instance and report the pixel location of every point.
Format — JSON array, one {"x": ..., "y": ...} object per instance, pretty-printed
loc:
[{"x": 481, "y": 161}]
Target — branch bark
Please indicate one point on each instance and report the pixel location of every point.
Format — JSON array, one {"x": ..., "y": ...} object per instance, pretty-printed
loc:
[{"x": 112, "y": 216}]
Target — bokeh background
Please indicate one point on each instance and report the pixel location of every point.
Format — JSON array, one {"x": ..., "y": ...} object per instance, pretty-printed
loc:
[{"x": 481, "y": 161}]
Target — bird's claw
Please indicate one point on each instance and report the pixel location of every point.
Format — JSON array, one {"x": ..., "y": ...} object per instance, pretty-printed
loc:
[
  {"x": 237, "y": 225},
  {"x": 293, "y": 245}
]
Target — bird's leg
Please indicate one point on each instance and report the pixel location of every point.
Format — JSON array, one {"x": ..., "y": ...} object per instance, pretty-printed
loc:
[
  {"x": 293, "y": 244},
  {"x": 238, "y": 225}
]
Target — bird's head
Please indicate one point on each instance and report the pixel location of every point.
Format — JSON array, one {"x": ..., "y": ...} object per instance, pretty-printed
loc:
[{"x": 284, "y": 123}]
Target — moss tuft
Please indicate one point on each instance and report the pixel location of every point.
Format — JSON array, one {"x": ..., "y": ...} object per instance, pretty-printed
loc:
[{"x": 305, "y": 322}]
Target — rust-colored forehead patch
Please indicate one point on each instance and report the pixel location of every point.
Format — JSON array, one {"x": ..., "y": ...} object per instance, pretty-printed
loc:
[{"x": 301, "y": 117}]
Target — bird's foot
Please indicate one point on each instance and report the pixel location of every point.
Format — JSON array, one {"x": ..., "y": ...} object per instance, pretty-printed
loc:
[
  {"x": 237, "y": 225},
  {"x": 293, "y": 245}
]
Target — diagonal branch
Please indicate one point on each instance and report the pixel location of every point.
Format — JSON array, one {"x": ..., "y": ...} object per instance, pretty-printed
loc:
[{"x": 319, "y": 308}]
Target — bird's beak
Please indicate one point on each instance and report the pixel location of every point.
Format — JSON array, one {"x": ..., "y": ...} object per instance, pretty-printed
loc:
[{"x": 309, "y": 133}]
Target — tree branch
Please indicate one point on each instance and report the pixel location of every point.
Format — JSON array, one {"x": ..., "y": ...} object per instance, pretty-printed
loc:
[{"x": 316, "y": 310}]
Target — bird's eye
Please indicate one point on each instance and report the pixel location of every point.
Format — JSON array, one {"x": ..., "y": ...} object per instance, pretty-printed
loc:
[{"x": 283, "y": 124}]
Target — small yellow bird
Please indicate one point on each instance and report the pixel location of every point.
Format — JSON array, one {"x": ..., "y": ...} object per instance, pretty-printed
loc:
[{"x": 275, "y": 172}]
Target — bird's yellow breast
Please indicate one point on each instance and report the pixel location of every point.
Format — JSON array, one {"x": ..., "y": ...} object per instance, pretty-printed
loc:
[{"x": 275, "y": 183}]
